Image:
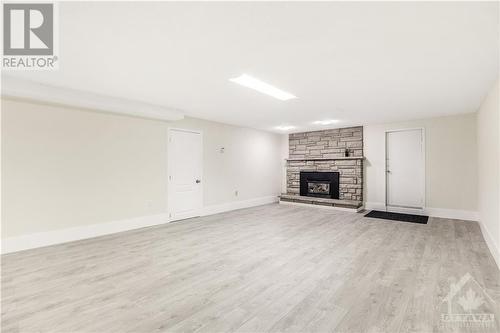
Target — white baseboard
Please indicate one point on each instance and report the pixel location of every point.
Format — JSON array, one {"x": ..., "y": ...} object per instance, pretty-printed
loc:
[
  {"x": 494, "y": 250},
  {"x": 430, "y": 211},
  {"x": 229, "y": 206},
  {"x": 40, "y": 239},
  {"x": 343, "y": 209},
  {"x": 467, "y": 215}
]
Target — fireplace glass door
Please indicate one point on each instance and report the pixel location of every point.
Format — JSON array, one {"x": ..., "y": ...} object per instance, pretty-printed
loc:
[{"x": 318, "y": 188}]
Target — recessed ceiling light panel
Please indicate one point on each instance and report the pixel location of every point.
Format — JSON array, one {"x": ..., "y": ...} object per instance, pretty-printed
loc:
[
  {"x": 284, "y": 128},
  {"x": 326, "y": 122},
  {"x": 265, "y": 88}
]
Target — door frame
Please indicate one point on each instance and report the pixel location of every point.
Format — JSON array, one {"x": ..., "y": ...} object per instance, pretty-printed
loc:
[
  {"x": 169, "y": 161},
  {"x": 422, "y": 166}
]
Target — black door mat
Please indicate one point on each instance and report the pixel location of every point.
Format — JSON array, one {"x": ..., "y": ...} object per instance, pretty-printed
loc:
[{"x": 398, "y": 217}]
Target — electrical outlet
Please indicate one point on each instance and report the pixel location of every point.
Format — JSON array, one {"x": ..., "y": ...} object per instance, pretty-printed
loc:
[{"x": 236, "y": 193}]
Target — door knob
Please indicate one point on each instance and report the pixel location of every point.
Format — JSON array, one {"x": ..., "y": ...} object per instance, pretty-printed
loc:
[
  {"x": 198, "y": 181},
  {"x": 388, "y": 171}
]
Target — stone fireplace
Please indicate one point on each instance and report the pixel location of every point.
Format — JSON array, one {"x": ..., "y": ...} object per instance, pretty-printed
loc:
[{"x": 334, "y": 151}]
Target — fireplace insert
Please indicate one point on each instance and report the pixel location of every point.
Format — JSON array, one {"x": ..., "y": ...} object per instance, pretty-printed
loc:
[{"x": 319, "y": 184}]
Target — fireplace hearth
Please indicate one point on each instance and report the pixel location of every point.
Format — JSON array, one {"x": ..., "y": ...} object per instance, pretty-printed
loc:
[{"x": 319, "y": 184}]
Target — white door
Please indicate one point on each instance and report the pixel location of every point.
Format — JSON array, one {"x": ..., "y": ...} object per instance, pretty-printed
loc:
[
  {"x": 405, "y": 169},
  {"x": 185, "y": 198}
]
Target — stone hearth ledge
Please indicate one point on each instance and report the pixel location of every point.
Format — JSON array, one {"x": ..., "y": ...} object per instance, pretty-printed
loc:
[{"x": 349, "y": 204}]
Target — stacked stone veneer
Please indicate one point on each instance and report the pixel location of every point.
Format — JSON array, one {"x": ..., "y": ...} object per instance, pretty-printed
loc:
[{"x": 304, "y": 148}]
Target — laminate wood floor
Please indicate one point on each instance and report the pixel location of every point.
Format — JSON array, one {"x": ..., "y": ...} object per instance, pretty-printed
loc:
[{"x": 272, "y": 268}]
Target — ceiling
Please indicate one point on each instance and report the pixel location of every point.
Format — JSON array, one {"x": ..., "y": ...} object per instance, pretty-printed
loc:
[{"x": 359, "y": 63}]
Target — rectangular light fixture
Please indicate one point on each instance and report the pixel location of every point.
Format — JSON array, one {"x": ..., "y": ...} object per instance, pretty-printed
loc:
[
  {"x": 284, "y": 128},
  {"x": 265, "y": 88},
  {"x": 325, "y": 122}
]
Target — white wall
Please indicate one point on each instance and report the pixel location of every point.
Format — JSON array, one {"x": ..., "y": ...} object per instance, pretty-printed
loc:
[
  {"x": 451, "y": 164},
  {"x": 63, "y": 168},
  {"x": 488, "y": 127},
  {"x": 251, "y": 163},
  {"x": 69, "y": 168}
]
